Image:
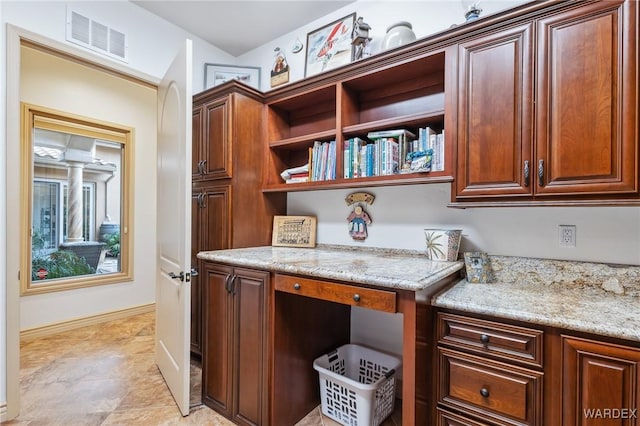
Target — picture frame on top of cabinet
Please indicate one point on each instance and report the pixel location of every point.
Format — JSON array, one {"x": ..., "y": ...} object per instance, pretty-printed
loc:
[
  {"x": 330, "y": 46},
  {"x": 294, "y": 231},
  {"x": 217, "y": 74}
]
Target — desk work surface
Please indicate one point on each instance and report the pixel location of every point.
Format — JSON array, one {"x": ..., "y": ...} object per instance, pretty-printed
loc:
[{"x": 395, "y": 269}]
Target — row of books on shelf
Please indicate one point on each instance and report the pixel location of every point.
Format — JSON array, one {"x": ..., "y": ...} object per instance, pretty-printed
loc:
[
  {"x": 386, "y": 152},
  {"x": 321, "y": 165},
  {"x": 390, "y": 152}
]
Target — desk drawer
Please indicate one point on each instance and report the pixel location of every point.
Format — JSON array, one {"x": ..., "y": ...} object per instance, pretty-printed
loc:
[
  {"x": 490, "y": 390},
  {"x": 484, "y": 337},
  {"x": 380, "y": 300}
]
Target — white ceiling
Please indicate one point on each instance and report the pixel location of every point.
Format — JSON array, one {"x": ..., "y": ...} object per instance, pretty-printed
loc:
[{"x": 240, "y": 26}]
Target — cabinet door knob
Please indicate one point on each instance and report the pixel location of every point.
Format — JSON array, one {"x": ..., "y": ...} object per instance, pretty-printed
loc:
[
  {"x": 356, "y": 297},
  {"x": 296, "y": 286},
  {"x": 527, "y": 173},
  {"x": 484, "y": 392},
  {"x": 484, "y": 339}
]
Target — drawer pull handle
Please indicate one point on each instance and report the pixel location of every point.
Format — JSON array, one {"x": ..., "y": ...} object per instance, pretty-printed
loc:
[
  {"x": 484, "y": 339},
  {"x": 356, "y": 297},
  {"x": 296, "y": 286},
  {"x": 484, "y": 392}
]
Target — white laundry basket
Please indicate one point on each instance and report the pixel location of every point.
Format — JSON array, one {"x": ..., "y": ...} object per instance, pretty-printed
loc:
[{"x": 357, "y": 385}]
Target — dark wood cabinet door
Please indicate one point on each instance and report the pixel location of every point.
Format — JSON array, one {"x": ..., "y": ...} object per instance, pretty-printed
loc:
[
  {"x": 197, "y": 145},
  {"x": 217, "y": 139},
  {"x": 216, "y": 217},
  {"x": 217, "y": 351},
  {"x": 210, "y": 212},
  {"x": 250, "y": 333},
  {"x": 601, "y": 383},
  {"x": 494, "y": 117},
  {"x": 587, "y": 100}
]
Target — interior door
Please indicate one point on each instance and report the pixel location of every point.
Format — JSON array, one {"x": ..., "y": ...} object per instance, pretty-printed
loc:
[{"x": 173, "y": 277}]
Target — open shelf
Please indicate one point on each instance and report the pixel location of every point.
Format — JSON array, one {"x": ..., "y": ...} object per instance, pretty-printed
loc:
[{"x": 409, "y": 95}]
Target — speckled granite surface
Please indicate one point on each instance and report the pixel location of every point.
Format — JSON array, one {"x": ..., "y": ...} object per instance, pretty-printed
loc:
[
  {"x": 398, "y": 269},
  {"x": 581, "y": 296}
]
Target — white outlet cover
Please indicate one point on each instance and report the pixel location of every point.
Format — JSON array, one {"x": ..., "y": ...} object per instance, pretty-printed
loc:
[{"x": 567, "y": 235}]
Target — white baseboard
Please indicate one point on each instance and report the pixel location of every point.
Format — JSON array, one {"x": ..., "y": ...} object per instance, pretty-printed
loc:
[{"x": 48, "y": 330}]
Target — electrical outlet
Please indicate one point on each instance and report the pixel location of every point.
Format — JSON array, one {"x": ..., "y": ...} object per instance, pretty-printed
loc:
[{"x": 567, "y": 235}]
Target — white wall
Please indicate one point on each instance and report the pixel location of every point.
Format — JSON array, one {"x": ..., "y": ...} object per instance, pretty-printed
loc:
[
  {"x": 400, "y": 215},
  {"x": 426, "y": 16},
  {"x": 152, "y": 45}
]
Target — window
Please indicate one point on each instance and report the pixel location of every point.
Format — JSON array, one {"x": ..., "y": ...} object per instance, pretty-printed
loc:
[{"x": 75, "y": 192}]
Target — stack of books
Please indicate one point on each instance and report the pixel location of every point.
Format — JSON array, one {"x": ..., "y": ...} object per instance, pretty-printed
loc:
[{"x": 296, "y": 174}]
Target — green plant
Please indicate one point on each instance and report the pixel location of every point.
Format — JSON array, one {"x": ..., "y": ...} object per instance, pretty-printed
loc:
[
  {"x": 59, "y": 264},
  {"x": 113, "y": 244}
]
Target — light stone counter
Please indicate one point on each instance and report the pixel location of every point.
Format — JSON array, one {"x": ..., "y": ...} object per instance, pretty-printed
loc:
[
  {"x": 580, "y": 296},
  {"x": 397, "y": 269}
]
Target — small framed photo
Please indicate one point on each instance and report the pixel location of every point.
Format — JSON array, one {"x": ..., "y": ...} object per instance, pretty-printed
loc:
[
  {"x": 330, "y": 46},
  {"x": 294, "y": 231},
  {"x": 217, "y": 74},
  {"x": 477, "y": 266}
]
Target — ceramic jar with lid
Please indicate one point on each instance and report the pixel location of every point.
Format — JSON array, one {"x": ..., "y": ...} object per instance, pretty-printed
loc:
[{"x": 398, "y": 34}]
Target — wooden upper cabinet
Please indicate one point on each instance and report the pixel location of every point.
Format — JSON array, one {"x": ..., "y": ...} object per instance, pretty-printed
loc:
[
  {"x": 217, "y": 131},
  {"x": 494, "y": 117},
  {"x": 211, "y": 150},
  {"x": 548, "y": 111},
  {"x": 587, "y": 100}
]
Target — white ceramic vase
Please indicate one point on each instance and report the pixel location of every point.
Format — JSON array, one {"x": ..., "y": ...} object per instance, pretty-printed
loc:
[
  {"x": 443, "y": 244},
  {"x": 398, "y": 34}
]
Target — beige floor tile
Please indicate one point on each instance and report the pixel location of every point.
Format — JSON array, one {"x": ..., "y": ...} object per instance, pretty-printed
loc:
[{"x": 106, "y": 375}]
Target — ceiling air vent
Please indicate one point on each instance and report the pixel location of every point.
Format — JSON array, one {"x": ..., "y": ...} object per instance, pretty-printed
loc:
[{"x": 96, "y": 36}]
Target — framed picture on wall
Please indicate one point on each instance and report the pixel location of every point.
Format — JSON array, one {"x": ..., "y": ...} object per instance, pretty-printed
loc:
[
  {"x": 217, "y": 74},
  {"x": 294, "y": 231},
  {"x": 330, "y": 46}
]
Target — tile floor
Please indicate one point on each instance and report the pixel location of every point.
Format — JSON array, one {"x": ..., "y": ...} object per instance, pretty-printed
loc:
[{"x": 105, "y": 375}]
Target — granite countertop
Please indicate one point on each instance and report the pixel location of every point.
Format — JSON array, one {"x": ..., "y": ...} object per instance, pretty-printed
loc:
[
  {"x": 397, "y": 269},
  {"x": 579, "y": 296}
]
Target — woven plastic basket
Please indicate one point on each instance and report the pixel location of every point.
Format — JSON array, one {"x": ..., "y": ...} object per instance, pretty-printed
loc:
[{"x": 357, "y": 385}]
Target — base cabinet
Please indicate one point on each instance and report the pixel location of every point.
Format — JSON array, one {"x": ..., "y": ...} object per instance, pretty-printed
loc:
[
  {"x": 600, "y": 383},
  {"x": 499, "y": 372},
  {"x": 234, "y": 368}
]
